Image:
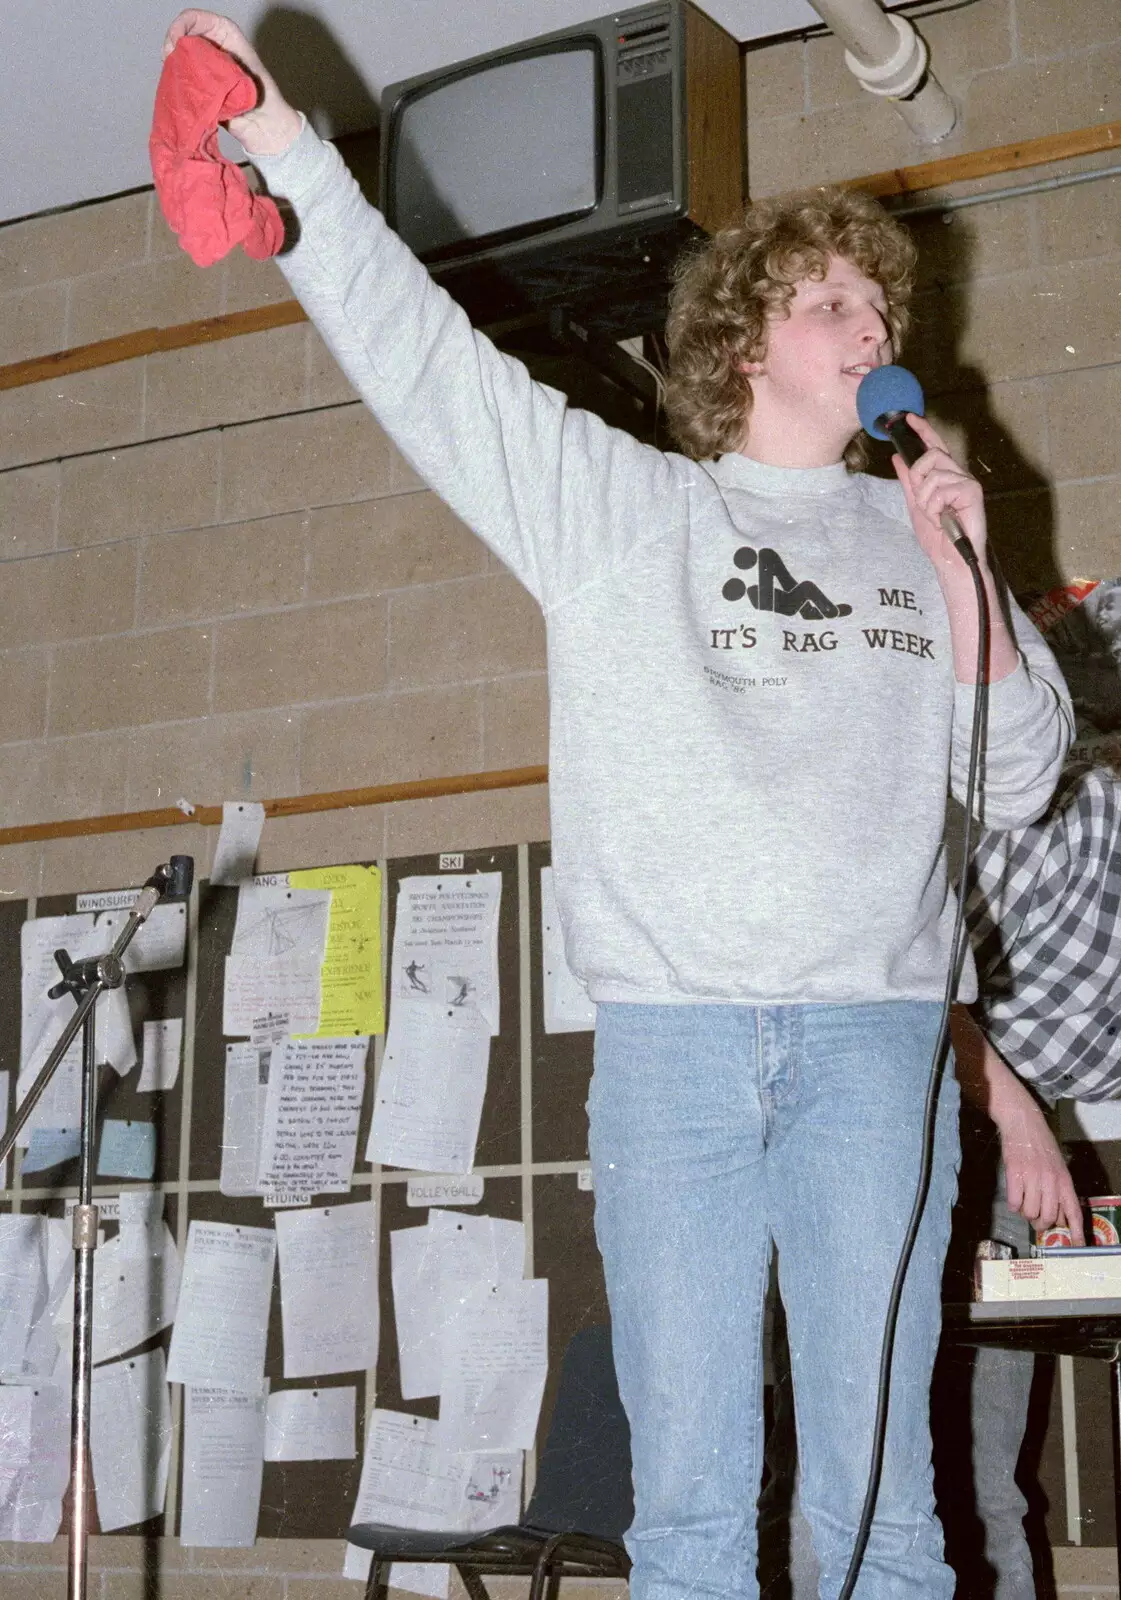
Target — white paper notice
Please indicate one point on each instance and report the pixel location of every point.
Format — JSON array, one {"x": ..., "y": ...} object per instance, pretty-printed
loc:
[
  {"x": 567, "y": 1007},
  {"x": 430, "y": 1092},
  {"x": 410, "y": 1481},
  {"x": 162, "y": 1050},
  {"x": 160, "y": 944},
  {"x": 23, "y": 1286},
  {"x": 114, "y": 1042},
  {"x": 223, "y": 1453},
  {"x": 328, "y": 1289},
  {"x": 445, "y": 942},
  {"x": 310, "y": 1425},
  {"x": 135, "y": 1289},
  {"x": 312, "y": 1103},
  {"x": 33, "y": 1480},
  {"x": 247, "y": 1082},
  {"x": 432, "y": 1267},
  {"x": 222, "y": 1323},
  {"x": 254, "y": 989},
  {"x": 494, "y": 1362},
  {"x": 130, "y": 1439},
  {"x": 238, "y": 838},
  {"x": 277, "y": 923},
  {"x": 42, "y": 1020}
]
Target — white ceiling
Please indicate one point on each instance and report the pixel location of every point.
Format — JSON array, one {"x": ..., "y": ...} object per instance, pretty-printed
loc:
[{"x": 78, "y": 76}]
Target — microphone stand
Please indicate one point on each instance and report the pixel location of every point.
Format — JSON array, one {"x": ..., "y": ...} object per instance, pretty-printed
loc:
[{"x": 87, "y": 980}]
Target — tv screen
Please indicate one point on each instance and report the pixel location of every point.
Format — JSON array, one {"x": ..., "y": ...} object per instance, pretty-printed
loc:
[{"x": 499, "y": 149}]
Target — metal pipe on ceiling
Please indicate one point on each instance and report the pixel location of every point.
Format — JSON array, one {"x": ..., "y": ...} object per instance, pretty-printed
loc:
[{"x": 890, "y": 59}]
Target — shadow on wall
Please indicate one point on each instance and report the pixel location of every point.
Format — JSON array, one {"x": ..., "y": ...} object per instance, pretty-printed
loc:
[
  {"x": 314, "y": 71},
  {"x": 1019, "y": 499},
  {"x": 316, "y": 74}
]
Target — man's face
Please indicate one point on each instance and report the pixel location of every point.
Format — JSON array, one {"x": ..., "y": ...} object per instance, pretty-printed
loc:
[{"x": 833, "y": 331}]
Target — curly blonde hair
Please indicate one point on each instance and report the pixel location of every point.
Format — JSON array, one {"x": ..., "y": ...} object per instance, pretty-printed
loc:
[{"x": 726, "y": 291}]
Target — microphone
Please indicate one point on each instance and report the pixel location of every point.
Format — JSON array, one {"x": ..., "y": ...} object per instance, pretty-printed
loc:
[{"x": 883, "y": 398}]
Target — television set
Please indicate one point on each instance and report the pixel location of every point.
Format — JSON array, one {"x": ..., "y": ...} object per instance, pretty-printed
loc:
[{"x": 569, "y": 171}]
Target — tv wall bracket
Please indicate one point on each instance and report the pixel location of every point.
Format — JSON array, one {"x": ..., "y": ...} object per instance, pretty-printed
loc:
[{"x": 607, "y": 357}]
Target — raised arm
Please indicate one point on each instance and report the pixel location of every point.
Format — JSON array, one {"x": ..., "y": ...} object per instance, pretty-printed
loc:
[{"x": 557, "y": 494}]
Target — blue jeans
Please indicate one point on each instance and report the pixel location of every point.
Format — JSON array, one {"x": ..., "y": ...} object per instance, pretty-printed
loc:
[{"x": 715, "y": 1129}]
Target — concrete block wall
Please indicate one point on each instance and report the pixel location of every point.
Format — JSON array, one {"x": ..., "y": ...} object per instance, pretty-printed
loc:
[
  {"x": 1017, "y": 333},
  {"x": 219, "y": 580}
]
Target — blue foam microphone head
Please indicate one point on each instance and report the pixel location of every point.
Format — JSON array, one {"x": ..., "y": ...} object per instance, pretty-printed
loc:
[{"x": 887, "y": 391}]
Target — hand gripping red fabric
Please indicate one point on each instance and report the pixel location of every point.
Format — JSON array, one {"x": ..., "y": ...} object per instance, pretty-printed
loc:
[{"x": 206, "y": 198}]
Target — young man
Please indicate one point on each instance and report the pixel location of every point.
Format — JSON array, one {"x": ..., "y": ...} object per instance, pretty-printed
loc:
[{"x": 761, "y": 677}]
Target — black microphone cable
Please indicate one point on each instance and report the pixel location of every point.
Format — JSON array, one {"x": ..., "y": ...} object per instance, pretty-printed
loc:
[{"x": 906, "y": 441}]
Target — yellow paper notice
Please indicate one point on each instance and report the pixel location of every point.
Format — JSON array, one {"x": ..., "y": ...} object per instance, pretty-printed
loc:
[{"x": 353, "y": 1000}]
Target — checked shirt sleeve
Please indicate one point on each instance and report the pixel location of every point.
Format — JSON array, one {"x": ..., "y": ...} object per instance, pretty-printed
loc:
[{"x": 1043, "y": 910}]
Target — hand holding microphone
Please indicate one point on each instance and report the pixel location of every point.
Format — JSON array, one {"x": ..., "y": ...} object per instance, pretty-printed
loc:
[
  {"x": 947, "y": 512},
  {"x": 944, "y": 501}
]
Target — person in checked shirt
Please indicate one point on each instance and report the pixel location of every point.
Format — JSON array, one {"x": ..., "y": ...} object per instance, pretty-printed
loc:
[{"x": 1042, "y": 908}]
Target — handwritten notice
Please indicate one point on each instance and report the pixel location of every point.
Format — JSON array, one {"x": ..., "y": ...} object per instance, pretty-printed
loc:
[
  {"x": 130, "y": 1439},
  {"x": 49, "y": 1147},
  {"x": 493, "y": 1366},
  {"x": 410, "y": 1480},
  {"x": 445, "y": 943},
  {"x": 287, "y": 985},
  {"x": 220, "y": 1330},
  {"x": 328, "y": 1289},
  {"x": 163, "y": 1048},
  {"x": 310, "y": 1425},
  {"x": 135, "y": 1289},
  {"x": 432, "y": 1268},
  {"x": 312, "y": 1102},
  {"x": 430, "y": 1093},
  {"x": 33, "y": 1480},
  {"x": 23, "y": 1286},
  {"x": 127, "y": 1149},
  {"x": 352, "y": 1000}
]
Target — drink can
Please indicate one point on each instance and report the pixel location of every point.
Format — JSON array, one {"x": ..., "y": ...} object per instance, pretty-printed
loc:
[
  {"x": 1053, "y": 1238},
  {"x": 1105, "y": 1215}
]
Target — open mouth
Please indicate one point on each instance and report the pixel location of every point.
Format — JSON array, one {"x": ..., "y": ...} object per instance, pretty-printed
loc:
[{"x": 860, "y": 370}]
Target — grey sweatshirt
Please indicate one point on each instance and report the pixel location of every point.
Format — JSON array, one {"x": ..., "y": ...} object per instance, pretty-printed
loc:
[{"x": 754, "y": 715}]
